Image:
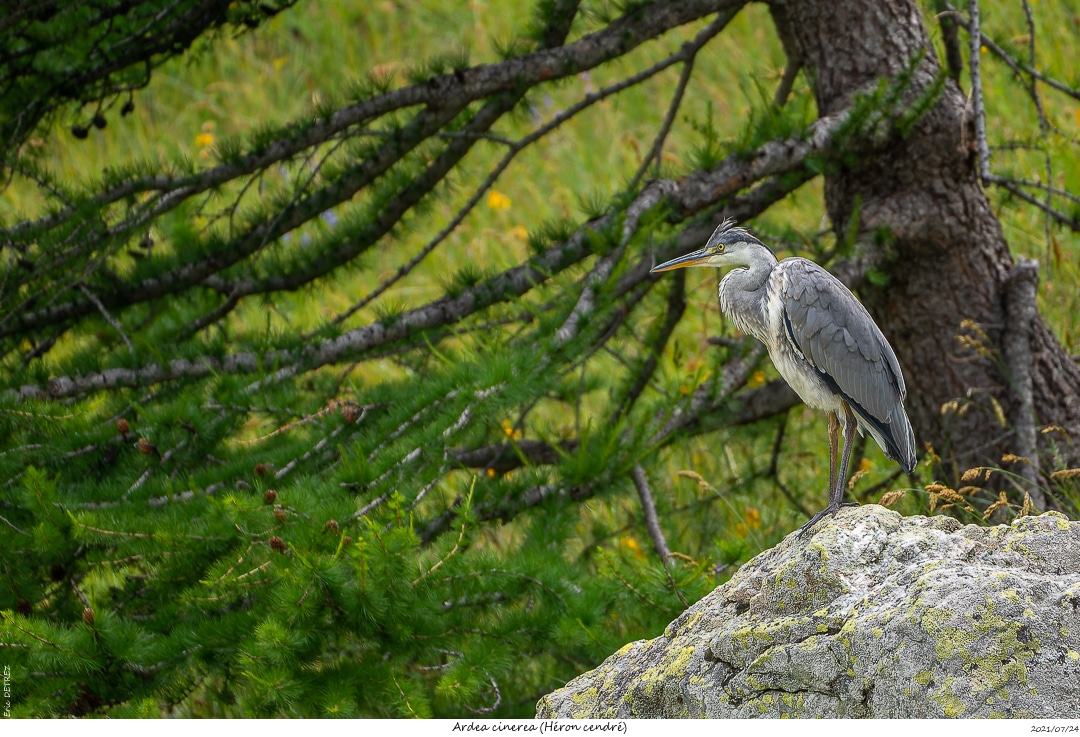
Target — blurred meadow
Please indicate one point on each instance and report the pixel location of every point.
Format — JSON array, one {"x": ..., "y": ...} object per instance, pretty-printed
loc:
[{"x": 728, "y": 494}]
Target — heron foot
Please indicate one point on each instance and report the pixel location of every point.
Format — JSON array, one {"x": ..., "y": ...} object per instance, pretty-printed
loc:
[{"x": 829, "y": 511}]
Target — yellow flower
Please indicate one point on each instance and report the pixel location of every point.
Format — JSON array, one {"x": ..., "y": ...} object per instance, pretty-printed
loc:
[
  {"x": 519, "y": 232},
  {"x": 756, "y": 379},
  {"x": 498, "y": 201},
  {"x": 491, "y": 473},
  {"x": 509, "y": 431},
  {"x": 865, "y": 465},
  {"x": 982, "y": 49},
  {"x": 632, "y": 545},
  {"x": 753, "y": 518},
  {"x": 279, "y": 63},
  {"x": 204, "y": 139}
]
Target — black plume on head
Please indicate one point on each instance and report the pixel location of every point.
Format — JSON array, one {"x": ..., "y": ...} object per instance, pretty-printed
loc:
[{"x": 728, "y": 232}]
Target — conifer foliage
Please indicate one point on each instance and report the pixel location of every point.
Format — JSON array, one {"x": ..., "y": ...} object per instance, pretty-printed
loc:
[{"x": 416, "y": 510}]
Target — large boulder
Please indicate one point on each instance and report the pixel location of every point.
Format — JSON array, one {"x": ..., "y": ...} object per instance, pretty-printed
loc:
[{"x": 874, "y": 615}]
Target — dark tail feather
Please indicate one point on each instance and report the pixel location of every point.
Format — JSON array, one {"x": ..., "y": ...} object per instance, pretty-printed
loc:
[{"x": 895, "y": 436}]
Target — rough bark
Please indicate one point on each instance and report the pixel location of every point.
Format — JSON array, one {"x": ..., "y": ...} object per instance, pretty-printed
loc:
[{"x": 943, "y": 250}]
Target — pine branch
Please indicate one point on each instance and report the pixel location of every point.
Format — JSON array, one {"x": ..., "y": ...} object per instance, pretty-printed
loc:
[
  {"x": 656, "y": 192},
  {"x": 456, "y": 89},
  {"x": 296, "y": 213},
  {"x": 505, "y": 457},
  {"x": 455, "y": 92},
  {"x": 656, "y": 150},
  {"x": 685, "y": 54},
  {"x": 1021, "y": 312},
  {"x": 108, "y": 318},
  {"x": 460, "y": 145},
  {"x": 42, "y": 73},
  {"x": 704, "y": 413},
  {"x": 981, "y": 144},
  {"x": 1011, "y": 186},
  {"x": 754, "y": 405},
  {"x": 648, "y": 510},
  {"x": 787, "y": 82},
  {"x": 773, "y": 471},
  {"x": 1014, "y": 63},
  {"x": 676, "y": 306},
  {"x": 685, "y": 196}
]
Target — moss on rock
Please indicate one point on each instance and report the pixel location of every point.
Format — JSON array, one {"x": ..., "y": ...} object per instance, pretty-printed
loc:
[{"x": 876, "y": 615}]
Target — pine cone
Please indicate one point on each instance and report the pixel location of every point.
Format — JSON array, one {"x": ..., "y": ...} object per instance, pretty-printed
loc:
[{"x": 351, "y": 412}]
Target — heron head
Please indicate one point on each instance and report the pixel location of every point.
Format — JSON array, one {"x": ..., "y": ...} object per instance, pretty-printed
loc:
[{"x": 727, "y": 246}]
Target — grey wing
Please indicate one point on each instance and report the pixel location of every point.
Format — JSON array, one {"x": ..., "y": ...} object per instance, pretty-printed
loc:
[{"x": 837, "y": 336}]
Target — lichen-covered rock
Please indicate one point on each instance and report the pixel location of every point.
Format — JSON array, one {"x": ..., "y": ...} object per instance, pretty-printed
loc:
[{"x": 875, "y": 615}]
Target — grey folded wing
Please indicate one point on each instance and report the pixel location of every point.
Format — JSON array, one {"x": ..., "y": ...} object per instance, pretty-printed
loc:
[{"x": 836, "y": 335}]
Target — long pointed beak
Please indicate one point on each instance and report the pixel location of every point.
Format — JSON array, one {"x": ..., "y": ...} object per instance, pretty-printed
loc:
[{"x": 694, "y": 258}]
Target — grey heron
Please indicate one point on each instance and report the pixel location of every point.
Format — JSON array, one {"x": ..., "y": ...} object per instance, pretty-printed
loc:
[{"x": 821, "y": 340}]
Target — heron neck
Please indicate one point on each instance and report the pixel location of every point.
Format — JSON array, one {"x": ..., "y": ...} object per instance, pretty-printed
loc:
[
  {"x": 750, "y": 275},
  {"x": 743, "y": 293}
]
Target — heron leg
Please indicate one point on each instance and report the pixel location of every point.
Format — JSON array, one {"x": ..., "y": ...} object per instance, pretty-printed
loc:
[
  {"x": 834, "y": 446},
  {"x": 850, "y": 428},
  {"x": 837, "y": 476}
]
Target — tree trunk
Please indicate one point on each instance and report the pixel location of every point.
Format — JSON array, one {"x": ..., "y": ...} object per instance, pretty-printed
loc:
[{"x": 923, "y": 216}]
